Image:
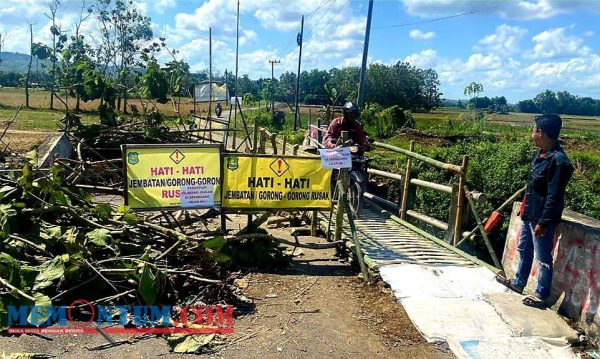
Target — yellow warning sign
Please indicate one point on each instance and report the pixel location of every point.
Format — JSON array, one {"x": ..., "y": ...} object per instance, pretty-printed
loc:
[
  {"x": 280, "y": 182},
  {"x": 172, "y": 176}
]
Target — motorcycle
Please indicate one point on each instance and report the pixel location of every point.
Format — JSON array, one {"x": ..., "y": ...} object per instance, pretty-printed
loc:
[{"x": 358, "y": 180}]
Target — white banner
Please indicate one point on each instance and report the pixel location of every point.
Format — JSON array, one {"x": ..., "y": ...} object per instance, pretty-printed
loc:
[
  {"x": 232, "y": 100},
  {"x": 336, "y": 157},
  {"x": 202, "y": 92}
]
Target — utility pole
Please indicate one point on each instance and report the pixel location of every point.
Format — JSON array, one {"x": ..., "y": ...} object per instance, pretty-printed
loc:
[
  {"x": 210, "y": 94},
  {"x": 272, "y": 87},
  {"x": 237, "y": 50},
  {"x": 363, "y": 70},
  {"x": 299, "y": 41},
  {"x": 209, "y": 73}
]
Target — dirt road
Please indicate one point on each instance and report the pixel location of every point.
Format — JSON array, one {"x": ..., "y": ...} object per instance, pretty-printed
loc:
[{"x": 315, "y": 308}]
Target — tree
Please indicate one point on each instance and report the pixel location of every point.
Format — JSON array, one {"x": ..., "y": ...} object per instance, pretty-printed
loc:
[
  {"x": 404, "y": 85},
  {"x": 473, "y": 89},
  {"x": 566, "y": 102},
  {"x": 527, "y": 106},
  {"x": 53, "y": 6},
  {"x": 345, "y": 81},
  {"x": 286, "y": 89},
  {"x": 1, "y": 43},
  {"x": 31, "y": 54},
  {"x": 480, "y": 103},
  {"x": 313, "y": 87},
  {"x": 546, "y": 101},
  {"x": 499, "y": 104},
  {"x": 124, "y": 34}
]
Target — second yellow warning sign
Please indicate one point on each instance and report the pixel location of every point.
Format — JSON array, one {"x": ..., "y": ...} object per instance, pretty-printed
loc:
[{"x": 275, "y": 182}]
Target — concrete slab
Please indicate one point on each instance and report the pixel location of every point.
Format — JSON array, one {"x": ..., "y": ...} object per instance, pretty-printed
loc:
[
  {"x": 440, "y": 318},
  {"x": 54, "y": 146},
  {"x": 526, "y": 321},
  {"x": 409, "y": 280},
  {"x": 509, "y": 348}
]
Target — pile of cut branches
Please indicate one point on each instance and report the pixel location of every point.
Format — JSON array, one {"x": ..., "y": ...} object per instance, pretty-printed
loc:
[{"x": 55, "y": 244}]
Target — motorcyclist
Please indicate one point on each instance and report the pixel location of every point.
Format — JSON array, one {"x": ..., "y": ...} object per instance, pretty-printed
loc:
[
  {"x": 218, "y": 109},
  {"x": 347, "y": 122}
]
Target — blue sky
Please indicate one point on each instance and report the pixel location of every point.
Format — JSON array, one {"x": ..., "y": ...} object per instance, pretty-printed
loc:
[{"x": 515, "y": 48}]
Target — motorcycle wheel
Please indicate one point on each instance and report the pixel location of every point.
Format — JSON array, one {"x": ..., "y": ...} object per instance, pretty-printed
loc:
[{"x": 355, "y": 197}]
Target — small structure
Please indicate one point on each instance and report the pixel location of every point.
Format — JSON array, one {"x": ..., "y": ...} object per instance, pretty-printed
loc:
[{"x": 54, "y": 146}]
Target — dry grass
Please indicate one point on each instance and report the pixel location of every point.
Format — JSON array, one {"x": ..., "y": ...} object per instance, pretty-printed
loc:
[
  {"x": 24, "y": 141},
  {"x": 40, "y": 99},
  {"x": 570, "y": 122}
]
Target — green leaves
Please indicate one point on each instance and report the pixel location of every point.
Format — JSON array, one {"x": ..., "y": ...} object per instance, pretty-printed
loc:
[
  {"x": 189, "y": 343},
  {"x": 59, "y": 198},
  {"x": 154, "y": 82},
  {"x": 10, "y": 269},
  {"x": 103, "y": 210},
  {"x": 50, "y": 271},
  {"x": 41, "y": 311},
  {"x": 146, "y": 286},
  {"x": 6, "y": 213},
  {"x": 100, "y": 237},
  {"x": 216, "y": 246},
  {"x": 26, "y": 179}
]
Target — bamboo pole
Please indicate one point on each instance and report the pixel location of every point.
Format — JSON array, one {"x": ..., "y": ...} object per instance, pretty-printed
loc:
[
  {"x": 486, "y": 240},
  {"x": 461, "y": 199},
  {"x": 428, "y": 160},
  {"x": 359, "y": 253},
  {"x": 314, "y": 223},
  {"x": 263, "y": 141},
  {"x": 406, "y": 185}
]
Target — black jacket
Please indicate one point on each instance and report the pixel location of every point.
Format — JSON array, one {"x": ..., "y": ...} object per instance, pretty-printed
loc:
[{"x": 545, "y": 194}]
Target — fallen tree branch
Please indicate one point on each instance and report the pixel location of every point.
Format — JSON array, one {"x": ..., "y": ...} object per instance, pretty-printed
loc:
[{"x": 13, "y": 288}]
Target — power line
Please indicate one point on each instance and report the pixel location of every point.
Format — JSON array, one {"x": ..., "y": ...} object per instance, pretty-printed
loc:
[
  {"x": 320, "y": 6},
  {"x": 316, "y": 25},
  {"x": 427, "y": 21},
  {"x": 327, "y": 5}
]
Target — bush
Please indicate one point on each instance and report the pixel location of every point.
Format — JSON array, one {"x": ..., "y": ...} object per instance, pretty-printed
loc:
[
  {"x": 367, "y": 116},
  {"x": 385, "y": 123}
]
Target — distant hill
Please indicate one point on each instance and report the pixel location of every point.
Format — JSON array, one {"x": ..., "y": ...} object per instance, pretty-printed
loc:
[{"x": 17, "y": 62}]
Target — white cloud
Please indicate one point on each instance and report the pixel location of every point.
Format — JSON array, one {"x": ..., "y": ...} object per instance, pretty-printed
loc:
[
  {"x": 588, "y": 33},
  {"x": 247, "y": 37},
  {"x": 503, "y": 42},
  {"x": 424, "y": 59},
  {"x": 420, "y": 35},
  {"x": 515, "y": 9},
  {"x": 161, "y": 5},
  {"x": 554, "y": 43}
]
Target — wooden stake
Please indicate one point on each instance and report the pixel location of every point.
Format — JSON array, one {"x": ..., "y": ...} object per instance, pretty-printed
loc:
[
  {"x": 461, "y": 199},
  {"x": 486, "y": 240},
  {"x": 406, "y": 185}
]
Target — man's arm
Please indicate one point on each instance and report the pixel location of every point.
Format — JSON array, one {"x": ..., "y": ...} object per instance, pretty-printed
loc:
[
  {"x": 361, "y": 137},
  {"x": 332, "y": 135}
]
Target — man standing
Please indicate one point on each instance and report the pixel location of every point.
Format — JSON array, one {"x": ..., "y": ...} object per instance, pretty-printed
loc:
[
  {"x": 348, "y": 122},
  {"x": 541, "y": 209}
]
